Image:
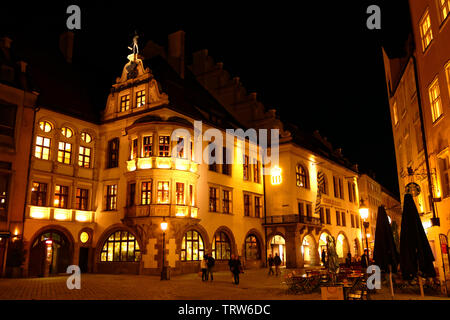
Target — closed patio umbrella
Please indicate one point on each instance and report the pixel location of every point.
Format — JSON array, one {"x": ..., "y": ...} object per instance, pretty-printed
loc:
[
  {"x": 416, "y": 256},
  {"x": 385, "y": 252}
]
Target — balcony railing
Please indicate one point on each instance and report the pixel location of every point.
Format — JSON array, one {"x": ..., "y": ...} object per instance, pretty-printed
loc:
[
  {"x": 50, "y": 213},
  {"x": 293, "y": 218}
]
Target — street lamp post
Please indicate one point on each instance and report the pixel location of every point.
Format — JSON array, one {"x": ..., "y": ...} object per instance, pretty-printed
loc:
[
  {"x": 364, "y": 213},
  {"x": 163, "y": 269}
]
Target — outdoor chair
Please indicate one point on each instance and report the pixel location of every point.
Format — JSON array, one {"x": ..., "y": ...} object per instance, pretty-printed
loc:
[{"x": 359, "y": 290}]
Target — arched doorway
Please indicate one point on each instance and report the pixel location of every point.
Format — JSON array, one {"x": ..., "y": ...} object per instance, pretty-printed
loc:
[
  {"x": 342, "y": 247},
  {"x": 309, "y": 251},
  {"x": 277, "y": 245},
  {"x": 323, "y": 242},
  {"x": 50, "y": 254}
]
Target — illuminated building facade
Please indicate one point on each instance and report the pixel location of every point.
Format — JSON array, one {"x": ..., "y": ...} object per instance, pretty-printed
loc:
[
  {"x": 17, "y": 103},
  {"x": 418, "y": 84}
]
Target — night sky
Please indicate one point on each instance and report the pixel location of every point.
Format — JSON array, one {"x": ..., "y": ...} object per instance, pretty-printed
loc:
[{"x": 316, "y": 63}]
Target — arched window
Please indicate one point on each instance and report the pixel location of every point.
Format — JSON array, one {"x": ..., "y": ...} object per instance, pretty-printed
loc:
[
  {"x": 192, "y": 248},
  {"x": 252, "y": 251},
  {"x": 301, "y": 176},
  {"x": 322, "y": 182},
  {"x": 67, "y": 132},
  {"x": 221, "y": 248},
  {"x": 86, "y": 137},
  {"x": 45, "y": 126},
  {"x": 121, "y": 246}
]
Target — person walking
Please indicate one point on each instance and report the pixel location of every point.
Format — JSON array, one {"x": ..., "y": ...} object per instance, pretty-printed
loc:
[
  {"x": 324, "y": 258},
  {"x": 236, "y": 269},
  {"x": 270, "y": 263},
  {"x": 231, "y": 266},
  {"x": 277, "y": 262},
  {"x": 203, "y": 266},
  {"x": 210, "y": 266},
  {"x": 365, "y": 260}
]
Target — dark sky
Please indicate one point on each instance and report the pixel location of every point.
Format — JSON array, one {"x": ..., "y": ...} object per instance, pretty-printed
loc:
[{"x": 316, "y": 63}]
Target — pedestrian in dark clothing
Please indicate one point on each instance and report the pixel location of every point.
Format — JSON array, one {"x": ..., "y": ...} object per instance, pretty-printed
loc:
[
  {"x": 231, "y": 265},
  {"x": 236, "y": 269},
  {"x": 324, "y": 258},
  {"x": 210, "y": 265},
  {"x": 277, "y": 262},
  {"x": 348, "y": 261},
  {"x": 270, "y": 262},
  {"x": 365, "y": 259}
]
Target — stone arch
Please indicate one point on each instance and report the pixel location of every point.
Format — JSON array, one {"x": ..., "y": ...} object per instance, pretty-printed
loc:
[
  {"x": 110, "y": 230},
  {"x": 230, "y": 235},
  {"x": 195, "y": 227},
  {"x": 260, "y": 240},
  {"x": 357, "y": 246},
  {"x": 309, "y": 250},
  {"x": 342, "y": 245},
  {"x": 280, "y": 249},
  {"x": 322, "y": 241},
  {"x": 37, "y": 255}
]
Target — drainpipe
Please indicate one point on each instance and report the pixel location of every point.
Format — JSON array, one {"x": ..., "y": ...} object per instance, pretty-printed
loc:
[{"x": 435, "y": 220}]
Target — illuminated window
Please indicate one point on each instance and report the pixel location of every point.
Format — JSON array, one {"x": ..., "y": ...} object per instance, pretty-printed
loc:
[
  {"x": 146, "y": 192},
  {"x": 84, "y": 157},
  {"x": 148, "y": 143},
  {"x": 4, "y": 184},
  {"x": 82, "y": 199},
  {"x": 221, "y": 248},
  {"x": 164, "y": 146},
  {"x": 39, "y": 194},
  {"x": 61, "y": 199},
  {"x": 226, "y": 201},
  {"x": 192, "y": 248},
  {"x": 45, "y": 126},
  {"x": 444, "y": 168},
  {"x": 435, "y": 100},
  {"x": 247, "y": 205},
  {"x": 134, "y": 148},
  {"x": 322, "y": 183},
  {"x": 64, "y": 152},
  {"x": 163, "y": 191},
  {"x": 42, "y": 149},
  {"x": 444, "y": 8},
  {"x": 258, "y": 207},
  {"x": 252, "y": 251},
  {"x": 111, "y": 197},
  {"x": 180, "y": 193},
  {"x": 113, "y": 153},
  {"x": 124, "y": 102},
  {"x": 67, "y": 132},
  {"x": 301, "y": 176},
  {"x": 140, "y": 98},
  {"x": 180, "y": 148},
  {"x": 213, "y": 199},
  {"x": 256, "y": 171},
  {"x": 328, "y": 215},
  {"x": 245, "y": 167},
  {"x": 121, "y": 246},
  {"x": 395, "y": 113},
  {"x": 86, "y": 137},
  {"x": 425, "y": 31}
]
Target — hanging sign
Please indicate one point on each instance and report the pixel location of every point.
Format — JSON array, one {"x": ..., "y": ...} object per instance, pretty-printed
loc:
[{"x": 413, "y": 189}]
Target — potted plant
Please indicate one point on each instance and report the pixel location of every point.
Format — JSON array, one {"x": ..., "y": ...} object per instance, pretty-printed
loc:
[{"x": 16, "y": 258}]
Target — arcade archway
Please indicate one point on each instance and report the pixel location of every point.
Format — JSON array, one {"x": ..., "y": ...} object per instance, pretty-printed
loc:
[
  {"x": 309, "y": 251},
  {"x": 342, "y": 247},
  {"x": 277, "y": 245}
]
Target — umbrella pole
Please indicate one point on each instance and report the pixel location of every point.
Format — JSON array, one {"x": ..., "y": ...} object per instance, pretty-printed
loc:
[
  {"x": 390, "y": 280},
  {"x": 421, "y": 286}
]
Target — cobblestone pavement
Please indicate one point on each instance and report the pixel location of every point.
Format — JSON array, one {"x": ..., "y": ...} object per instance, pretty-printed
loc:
[{"x": 254, "y": 285}]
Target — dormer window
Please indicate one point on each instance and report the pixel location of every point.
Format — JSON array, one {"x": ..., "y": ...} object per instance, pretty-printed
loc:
[
  {"x": 140, "y": 98},
  {"x": 125, "y": 103}
]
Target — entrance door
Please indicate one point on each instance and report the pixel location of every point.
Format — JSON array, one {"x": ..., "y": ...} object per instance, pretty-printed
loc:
[
  {"x": 83, "y": 261},
  {"x": 54, "y": 246}
]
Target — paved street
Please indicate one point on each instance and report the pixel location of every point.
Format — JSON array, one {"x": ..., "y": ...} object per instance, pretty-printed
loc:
[{"x": 255, "y": 285}]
